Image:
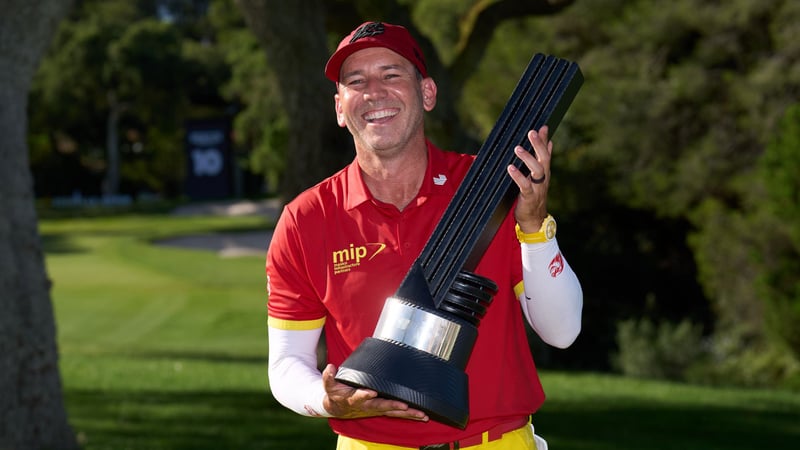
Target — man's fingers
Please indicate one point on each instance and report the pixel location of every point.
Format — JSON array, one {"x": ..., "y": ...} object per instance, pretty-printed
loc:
[
  {"x": 398, "y": 409},
  {"x": 348, "y": 401},
  {"x": 328, "y": 373}
]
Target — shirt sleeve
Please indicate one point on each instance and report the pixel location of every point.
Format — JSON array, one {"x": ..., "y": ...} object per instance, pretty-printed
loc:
[
  {"x": 552, "y": 297},
  {"x": 294, "y": 294},
  {"x": 294, "y": 378}
]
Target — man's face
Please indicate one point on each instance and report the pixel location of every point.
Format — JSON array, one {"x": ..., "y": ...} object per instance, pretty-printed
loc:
[{"x": 381, "y": 100}]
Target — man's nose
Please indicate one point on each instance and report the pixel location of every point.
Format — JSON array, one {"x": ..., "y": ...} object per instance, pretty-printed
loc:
[{"x": 374, "y": 89}]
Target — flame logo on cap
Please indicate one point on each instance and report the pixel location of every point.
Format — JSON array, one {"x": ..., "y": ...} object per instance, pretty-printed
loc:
[{"x": 366, "y": 30}]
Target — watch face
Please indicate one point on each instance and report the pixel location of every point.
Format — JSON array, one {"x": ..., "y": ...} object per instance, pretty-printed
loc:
[{"x": 550, "y": 229}]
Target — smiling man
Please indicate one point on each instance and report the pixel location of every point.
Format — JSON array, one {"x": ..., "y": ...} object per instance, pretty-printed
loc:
[{"x": 343, "y": 246}]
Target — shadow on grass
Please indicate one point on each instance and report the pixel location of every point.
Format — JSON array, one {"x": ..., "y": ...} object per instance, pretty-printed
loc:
[
  {"x": 177, "y": 418},
  {"x": 607, "y": 425},
  {"x": 54, "y": 243},
  {"x": 201, "y": 420},
  {"x": 195, "y": 420},
  {"x": 214, "y": 357}
]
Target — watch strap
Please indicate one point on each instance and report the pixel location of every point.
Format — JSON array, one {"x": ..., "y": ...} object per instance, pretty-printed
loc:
[{"x": 547, "y": 232}]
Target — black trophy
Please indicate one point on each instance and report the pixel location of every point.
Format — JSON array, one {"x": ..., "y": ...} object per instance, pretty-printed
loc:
[{"x": 427, "y": 329}]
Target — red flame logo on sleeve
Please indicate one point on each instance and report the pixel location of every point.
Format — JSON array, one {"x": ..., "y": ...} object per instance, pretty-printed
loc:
[{"x": 556, "y": 265}]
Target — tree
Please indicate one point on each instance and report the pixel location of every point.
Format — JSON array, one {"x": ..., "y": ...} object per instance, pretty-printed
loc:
[
  {"x": 259, "y": 125},
  {"x": 681, "y": 101},
  {"x": 117, "y": 85},
  {"x": 779, "y": 211},
  {"x": 293, "y": 36},
  {"x": 84, "y": 81},
  {"x": 31, "y": 404}
]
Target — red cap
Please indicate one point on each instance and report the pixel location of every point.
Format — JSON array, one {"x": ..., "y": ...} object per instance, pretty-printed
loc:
[{"x": 376, "y": 34}]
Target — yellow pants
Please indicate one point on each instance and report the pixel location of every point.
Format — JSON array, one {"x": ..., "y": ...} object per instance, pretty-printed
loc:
[{"x": 519, "y": 439}]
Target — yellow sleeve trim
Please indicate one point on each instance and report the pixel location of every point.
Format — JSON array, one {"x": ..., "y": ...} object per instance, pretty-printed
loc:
[
  {"x": 519, "y": 289},
  {"x": 297, "y": 325}
]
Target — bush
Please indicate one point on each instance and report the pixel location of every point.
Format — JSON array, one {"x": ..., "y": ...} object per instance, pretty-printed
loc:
[
  {"x": 660, "y": 351},
  {"x": 752, "y": 364}
]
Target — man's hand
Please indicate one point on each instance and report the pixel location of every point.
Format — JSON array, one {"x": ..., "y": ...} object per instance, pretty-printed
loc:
[
  {"x": 532, "y": 202},
  {"x": 347, "y": 402}
]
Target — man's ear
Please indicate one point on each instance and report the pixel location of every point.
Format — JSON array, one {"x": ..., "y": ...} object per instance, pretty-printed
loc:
[
  {"x": 339, "y": 113},
  {"x": 428, "y": 93}
]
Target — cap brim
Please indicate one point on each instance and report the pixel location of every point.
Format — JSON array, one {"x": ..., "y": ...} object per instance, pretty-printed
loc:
[{"x": 334, "y": 65}]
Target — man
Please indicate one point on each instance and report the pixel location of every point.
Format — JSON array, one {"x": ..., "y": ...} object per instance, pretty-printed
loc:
[{"x": 343, "y": 246}]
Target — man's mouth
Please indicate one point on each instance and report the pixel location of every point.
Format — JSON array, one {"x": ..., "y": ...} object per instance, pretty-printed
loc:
[{"x": 379, "y": 115}]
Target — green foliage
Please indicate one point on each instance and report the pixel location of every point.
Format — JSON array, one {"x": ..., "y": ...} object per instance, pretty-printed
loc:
[
  {"x": 261, "y": 125},
  {"x": 738, "y": 363},
  {"x": 115, "y": 69},
  {"x": 660, "y": 351},
  {"x": 441, "y": 22},
  {"x": 680, "y": 101},
  {"x": 780, "y": 289},
  {"x": 779, "y": 167},
  {"x": 155, "y": 161},
  {"x": 779, "y": 285},
  {"x": 145, "y": 68},
  {"x": 749, "y": 259},
  {"x": 724, "y": 248}
]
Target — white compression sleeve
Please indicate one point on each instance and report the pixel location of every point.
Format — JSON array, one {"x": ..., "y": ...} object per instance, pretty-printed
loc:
[
  {"x": 294, "y": 378},
  {"x": 553, "y": 299}
]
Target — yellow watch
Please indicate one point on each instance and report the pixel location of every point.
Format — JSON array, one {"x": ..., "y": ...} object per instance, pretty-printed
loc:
[{"x": 546, "y": 233}]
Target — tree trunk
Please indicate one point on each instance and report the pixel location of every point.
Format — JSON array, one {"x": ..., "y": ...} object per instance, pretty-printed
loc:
[
  {"x": 32, "y": 414},
  {"x": 115, "y": 109},
  {"x": 293, "y": 35}
]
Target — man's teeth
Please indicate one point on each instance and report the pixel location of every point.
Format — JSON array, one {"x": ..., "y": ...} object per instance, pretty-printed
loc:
[{"x": 375, "y": 115}]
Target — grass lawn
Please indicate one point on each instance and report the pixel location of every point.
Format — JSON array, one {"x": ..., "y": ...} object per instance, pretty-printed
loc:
[{"x": 165, "y": 348}]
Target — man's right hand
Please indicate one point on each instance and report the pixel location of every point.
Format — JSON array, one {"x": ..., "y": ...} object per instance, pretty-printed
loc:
[{"x": 346, "y": 402}]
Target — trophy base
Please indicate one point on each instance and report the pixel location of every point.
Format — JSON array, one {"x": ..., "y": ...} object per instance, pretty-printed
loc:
[{"x": 415, "y": 377}]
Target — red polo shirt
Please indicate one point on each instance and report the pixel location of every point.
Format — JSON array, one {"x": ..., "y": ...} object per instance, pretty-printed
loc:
[{"x": 337, "y": 254}]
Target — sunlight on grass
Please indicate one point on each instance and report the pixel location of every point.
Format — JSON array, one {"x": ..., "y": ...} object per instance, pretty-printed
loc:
[{"x": 165, "y": 348}]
